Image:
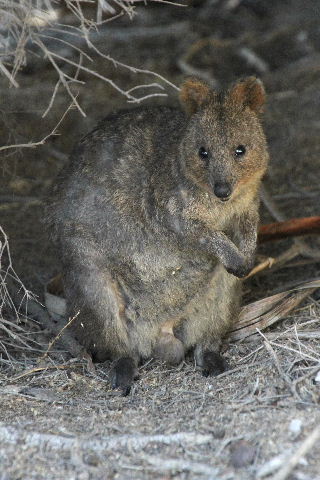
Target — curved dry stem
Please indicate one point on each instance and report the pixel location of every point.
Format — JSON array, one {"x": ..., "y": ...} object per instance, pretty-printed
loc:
[{"x": 25, "y": 24}]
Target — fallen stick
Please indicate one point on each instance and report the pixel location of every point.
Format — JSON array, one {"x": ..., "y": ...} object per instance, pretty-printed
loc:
[
  {"x": 35, "y": 309},
  {"x": 284, "y": 229},
  {"x": 31, "y": 371},
  {"x": 46, "y": 441},
  {"x": 299, "y": 246},
  {"x": 289, "y": 228},
  {"x": 161, "y": 464}
]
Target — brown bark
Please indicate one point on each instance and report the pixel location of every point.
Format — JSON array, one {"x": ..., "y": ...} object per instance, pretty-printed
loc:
[{"x": 289, "y": 228}]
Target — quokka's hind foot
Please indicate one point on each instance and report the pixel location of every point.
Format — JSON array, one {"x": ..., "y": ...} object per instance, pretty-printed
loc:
[
  {"x": 124, "y": 373},
  {"x": 169, "y": 349},
  {"x": 213, "y": 364}
]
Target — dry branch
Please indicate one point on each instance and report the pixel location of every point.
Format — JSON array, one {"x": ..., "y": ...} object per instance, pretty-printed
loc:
[
  {"x": 13, "y": 333},
  {"x": 300, "y": 247},
  {"x": 283, "y": 229},
  {"x": 33, "y": 308},
  {"x": 289, "y": 228},
  {"x": 59, "y": 334},
  {"x": 46, "y": 441},
  {"x": 160, "y": 464},
  {"x": 282, "y": 374},
  {"x": 54, "y": 131},
  {"x": 34, "y": 370}
]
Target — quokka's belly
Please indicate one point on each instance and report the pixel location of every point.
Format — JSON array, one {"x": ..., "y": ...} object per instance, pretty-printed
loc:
[{"x": 161, "y": 285}]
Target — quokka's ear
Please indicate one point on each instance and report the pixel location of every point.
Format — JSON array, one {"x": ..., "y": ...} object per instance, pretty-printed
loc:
[
  {"x": 250, "y": 93},
  {"x": 193, "y": 94}
]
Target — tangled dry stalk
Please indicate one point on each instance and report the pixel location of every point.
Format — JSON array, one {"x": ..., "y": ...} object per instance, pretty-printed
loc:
[
  {"x": 15, "y": 335},
  {"x": 28, "y": 26}
]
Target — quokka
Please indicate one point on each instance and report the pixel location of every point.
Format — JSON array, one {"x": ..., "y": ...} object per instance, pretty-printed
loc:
[{"x": 156, "y": 220}]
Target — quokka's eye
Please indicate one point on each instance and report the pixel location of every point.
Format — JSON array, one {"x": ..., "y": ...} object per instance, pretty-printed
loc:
[
  {"x": 203, "y": 153},
  {"x": 240, "y": 151}
]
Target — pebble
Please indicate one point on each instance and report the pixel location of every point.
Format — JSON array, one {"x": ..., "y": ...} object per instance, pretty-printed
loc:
[
  {"x": 295, "y": 426},
  {"x": 317, "y": 377},
  {"x": 242, "y": 454}
]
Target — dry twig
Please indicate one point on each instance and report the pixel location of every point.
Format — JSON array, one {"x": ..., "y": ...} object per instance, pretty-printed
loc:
[
  {"x": 14, "y": 334},
  {"x": 35, "y": 309},
  {"x": 299, "y": 246},
  {"x": 58, "y": 336},
  {"x": 161, "y": 464},
  {"x": 34, "y": 370},
  {"x": 282, "y": 374},
  {"x": 54, "y": 131}
]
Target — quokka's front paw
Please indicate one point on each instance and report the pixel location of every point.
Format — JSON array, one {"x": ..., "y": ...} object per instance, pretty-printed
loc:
[{"x": 240, "y": 270}]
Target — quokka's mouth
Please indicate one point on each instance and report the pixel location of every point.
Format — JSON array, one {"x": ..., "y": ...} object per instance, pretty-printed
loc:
[{"x": 225, "y": 199}]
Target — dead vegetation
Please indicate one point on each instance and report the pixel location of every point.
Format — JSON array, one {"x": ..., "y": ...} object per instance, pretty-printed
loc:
[
  {"x": 16, "y": 338},
  {"x": 34, "y": 28}
]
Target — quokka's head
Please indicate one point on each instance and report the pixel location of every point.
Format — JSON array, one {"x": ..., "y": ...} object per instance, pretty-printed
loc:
[{"x": 223, "y": 150}]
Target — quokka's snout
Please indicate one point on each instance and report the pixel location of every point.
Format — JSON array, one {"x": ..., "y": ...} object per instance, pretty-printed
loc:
[{"x": 223, "y": 190}]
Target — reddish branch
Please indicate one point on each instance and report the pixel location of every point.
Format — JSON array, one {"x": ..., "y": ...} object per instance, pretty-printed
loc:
[{"x": 289, "y": 228}]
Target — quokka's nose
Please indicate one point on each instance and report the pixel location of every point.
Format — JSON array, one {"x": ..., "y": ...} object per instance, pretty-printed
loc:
[{"x": 222, "y": 191}]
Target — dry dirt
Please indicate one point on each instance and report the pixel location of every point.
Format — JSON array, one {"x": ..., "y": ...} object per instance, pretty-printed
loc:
[{"x": 60, "y": 421}]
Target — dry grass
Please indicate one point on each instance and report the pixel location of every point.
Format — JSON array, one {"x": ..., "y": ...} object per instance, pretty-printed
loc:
[{"x": 17, "y": 337}]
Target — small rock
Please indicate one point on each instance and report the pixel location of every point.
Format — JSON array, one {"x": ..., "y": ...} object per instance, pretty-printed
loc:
[
  {"x": 295, "y": 426},
  {"x": 317, "y": 377},
  {"x": 242, "y": 454},
  {"x": 91, "y": 459}
]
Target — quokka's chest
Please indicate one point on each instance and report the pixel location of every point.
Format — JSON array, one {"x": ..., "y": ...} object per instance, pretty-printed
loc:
[{"x": 165, "y": 278}]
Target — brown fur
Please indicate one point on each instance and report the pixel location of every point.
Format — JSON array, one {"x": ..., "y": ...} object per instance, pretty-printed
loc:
[
  {"x": 169, "y": 349},
  {"x": 193, "y": 94},
  {"x": 249, "y": 93},
  {"x": 152, "y": 252}
]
